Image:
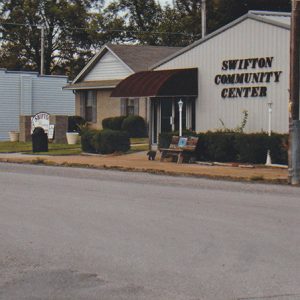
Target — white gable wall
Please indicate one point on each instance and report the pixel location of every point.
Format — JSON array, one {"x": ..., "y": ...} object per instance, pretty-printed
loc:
[
  {"x": 248, "y": 39},
  {"x": 109, "y": 67}
]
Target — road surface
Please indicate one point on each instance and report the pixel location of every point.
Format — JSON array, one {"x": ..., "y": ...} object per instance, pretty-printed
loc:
[{"x": 68, "y": 233}]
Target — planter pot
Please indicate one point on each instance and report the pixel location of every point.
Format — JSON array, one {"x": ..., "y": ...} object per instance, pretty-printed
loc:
[
  {"x": 72, "y": 137},
  {"x": 14, "y": 136}
]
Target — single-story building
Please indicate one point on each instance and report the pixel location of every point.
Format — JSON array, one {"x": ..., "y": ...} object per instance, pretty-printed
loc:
[
  {"x": 27, "y": 93},
  {"x": 243, "y": 66},
  {"x": 95, "y": 83}
]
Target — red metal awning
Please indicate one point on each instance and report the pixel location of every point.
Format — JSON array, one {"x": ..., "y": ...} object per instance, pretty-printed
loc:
[{"x": 177, "y": 82}]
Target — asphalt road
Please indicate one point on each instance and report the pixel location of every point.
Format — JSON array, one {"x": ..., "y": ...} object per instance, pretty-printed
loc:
[{"x": 69, "y": 233}]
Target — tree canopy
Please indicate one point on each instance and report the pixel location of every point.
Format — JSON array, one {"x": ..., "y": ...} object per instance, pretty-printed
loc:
[{"x": 74, "y": 29}]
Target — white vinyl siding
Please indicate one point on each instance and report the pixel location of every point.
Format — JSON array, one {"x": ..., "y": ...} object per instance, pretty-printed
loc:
[
  {"x": 109, "y": 67},
  {"x": 248, "y": 39},
  {"x": 25, "y": 93}
]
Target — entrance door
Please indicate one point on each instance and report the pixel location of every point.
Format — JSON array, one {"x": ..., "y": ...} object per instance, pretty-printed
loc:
[{"x": 166, "y": 115}]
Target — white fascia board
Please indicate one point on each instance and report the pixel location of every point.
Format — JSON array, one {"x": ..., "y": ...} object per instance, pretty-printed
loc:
[{"x": 87, "y": 66}]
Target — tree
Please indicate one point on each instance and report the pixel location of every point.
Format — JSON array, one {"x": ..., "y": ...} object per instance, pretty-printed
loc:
[
  {"x": 229, "y": 10},
  {"x": 67, "y": 34},
  {"x": 74, "y": 28},
  {"x": 141, "y": 19}
]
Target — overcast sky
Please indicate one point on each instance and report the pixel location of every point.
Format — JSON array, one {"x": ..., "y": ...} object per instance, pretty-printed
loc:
[{"x": 165, "y": 1}]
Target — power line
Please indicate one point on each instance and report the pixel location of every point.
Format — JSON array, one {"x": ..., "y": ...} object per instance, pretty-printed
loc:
[{"x": 106, "y": 30}]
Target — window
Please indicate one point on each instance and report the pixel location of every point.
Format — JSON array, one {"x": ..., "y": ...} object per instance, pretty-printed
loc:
[
  {"x": 129, "y": 107},
  {"x": 88, "y": 106}
]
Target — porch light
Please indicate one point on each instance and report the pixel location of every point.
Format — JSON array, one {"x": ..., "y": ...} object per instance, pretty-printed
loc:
[{"x": 180, "y": 104}]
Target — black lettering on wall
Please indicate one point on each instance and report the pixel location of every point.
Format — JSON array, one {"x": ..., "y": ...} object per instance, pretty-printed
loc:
[{"x": 244, "y": 78}]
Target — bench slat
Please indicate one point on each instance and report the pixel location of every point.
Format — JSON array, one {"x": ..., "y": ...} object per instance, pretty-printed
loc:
[{"x": 174, "y": 150}]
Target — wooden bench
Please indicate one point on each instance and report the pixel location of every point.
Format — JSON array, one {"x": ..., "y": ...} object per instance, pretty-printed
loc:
[{"x": 180, "y": 148}]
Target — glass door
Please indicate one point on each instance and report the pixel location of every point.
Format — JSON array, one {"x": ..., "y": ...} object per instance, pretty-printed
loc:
[{"x": 167, "y": 118}]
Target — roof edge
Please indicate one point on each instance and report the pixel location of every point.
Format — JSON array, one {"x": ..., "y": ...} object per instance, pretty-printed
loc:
[
  {"x": 37, "y": 74},
  {"x": 67, "y": 87},
  {"x": 270, "y": 13},
  {"x": 249, "y": 15},
  {"x": 89, "y": 65},
  {"x": 124, "y": 64}
]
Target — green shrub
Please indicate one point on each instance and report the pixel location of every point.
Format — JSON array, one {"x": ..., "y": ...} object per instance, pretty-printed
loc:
[
  {"x": 135, "y": 126},
  {"x": 106, "y": 123},
  {"x": 109, "y": 141},
  {"x": 278, "y": 144},
  {"x": 113, "y": 123},
  {"x": 75, "y": 123},
  {"x": 252, "y": 148},
  {"x": 88, "y": 140},
  {"x": 217, "y": 146}
]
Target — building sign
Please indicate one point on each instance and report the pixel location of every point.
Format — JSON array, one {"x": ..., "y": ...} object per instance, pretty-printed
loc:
[
  {"x": 254, "y": 74},
  {"x": 41, "y": 119}
]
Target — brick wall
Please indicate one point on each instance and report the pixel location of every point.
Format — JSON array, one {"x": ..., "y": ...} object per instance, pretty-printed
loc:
[
  {"x": 60, "y": 129},
  {"x": 25, "y": 128}
]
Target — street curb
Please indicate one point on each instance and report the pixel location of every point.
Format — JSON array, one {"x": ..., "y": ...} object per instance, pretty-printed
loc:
[{"x": 43, "y": 161}]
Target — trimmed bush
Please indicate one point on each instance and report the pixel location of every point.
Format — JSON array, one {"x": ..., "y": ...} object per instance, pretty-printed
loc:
[
  {"x": 279, "y": 148},
  {"x": 217, "y": 146},
  {"x": 74, "y": 123},
  {"x": 113, "y": 123},
  {"x": 88, "y": 140},
  {"x": 135, "y": 126},
  {"x": 252, "y": 148},
  {"x": 106, "y": 123},
  {"x": 109, "y": 141}
]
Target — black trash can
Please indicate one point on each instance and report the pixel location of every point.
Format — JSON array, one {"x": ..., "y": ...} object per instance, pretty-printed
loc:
[{"x": 39, "y": 140}]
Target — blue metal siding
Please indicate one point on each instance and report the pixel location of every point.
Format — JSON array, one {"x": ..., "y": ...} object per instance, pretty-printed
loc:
[
  {"x": 27, "y": 93},
  {"x": 48, "y": 96}
]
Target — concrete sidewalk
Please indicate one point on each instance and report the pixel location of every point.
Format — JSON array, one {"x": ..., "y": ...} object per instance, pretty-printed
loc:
[{"x": 138, "y": 161}]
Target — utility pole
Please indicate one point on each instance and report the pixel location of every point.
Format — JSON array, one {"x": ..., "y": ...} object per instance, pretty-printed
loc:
[
  {"x": 42, "y": 49},
  {"x": 294, "y": 122},
  {"x": 203, "y": 18}
]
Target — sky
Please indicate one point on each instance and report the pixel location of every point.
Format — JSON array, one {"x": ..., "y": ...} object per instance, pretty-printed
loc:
[{"x": 163, "y": 2}]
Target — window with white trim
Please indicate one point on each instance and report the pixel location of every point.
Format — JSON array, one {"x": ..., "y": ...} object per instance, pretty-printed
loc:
[
  {"x": 129, "y": 106},
  {"x": 88, "y": 105}
]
